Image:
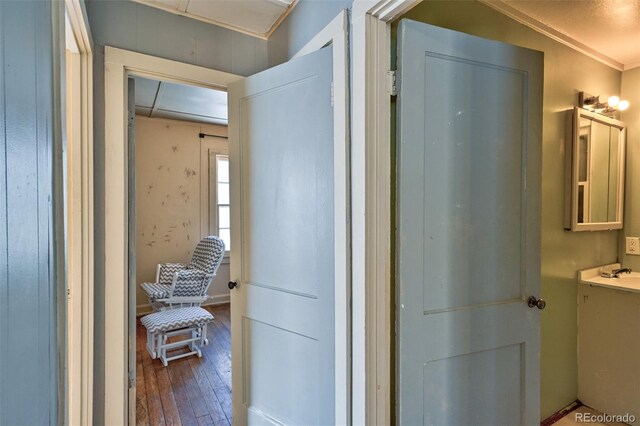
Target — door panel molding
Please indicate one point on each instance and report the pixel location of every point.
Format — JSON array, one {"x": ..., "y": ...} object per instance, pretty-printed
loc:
[
  {"x": 468, "y": 228},
  {"x": 282, "y": 151}
]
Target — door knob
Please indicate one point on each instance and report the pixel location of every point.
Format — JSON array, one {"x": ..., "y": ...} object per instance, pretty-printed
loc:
[
  {"x": 536, "y": 303},
  {"x": 232, "y": 285}
]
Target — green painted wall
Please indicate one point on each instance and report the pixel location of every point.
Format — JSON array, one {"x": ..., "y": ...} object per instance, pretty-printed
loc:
[
  {"x": 631, "y": 92},
  {"x": 563, "y": 253}
]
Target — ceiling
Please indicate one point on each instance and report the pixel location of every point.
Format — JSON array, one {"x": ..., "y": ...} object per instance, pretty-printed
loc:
[
  {"x": 258, "y": 18},
  {"x": 608, "y": 30},
  {"x": 161, "y": 99}
]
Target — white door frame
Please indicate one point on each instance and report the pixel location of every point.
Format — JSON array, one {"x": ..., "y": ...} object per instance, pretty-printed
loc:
[
  {"x": 371, "y": 208},
  {"x": 118, "y": 65},
  {"x": 79, "y": 175},
  {"x": 335, "y": 33}
]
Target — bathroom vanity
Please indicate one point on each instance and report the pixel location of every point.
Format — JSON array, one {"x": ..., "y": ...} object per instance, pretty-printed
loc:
[{"x": 609, "y": 342}]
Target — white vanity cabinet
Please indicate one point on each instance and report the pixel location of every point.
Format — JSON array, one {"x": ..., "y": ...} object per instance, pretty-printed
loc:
[{"x": 609, "y": 343}]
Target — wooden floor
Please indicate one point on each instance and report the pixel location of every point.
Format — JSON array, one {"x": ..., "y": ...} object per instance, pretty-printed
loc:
[{"x": 192, "y": 390}]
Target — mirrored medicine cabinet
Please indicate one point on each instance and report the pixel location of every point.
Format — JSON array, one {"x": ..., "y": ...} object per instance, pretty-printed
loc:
[{"x": 594, "y": 168}]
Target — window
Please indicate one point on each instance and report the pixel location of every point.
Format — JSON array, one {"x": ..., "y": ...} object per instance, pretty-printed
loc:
[{"x": 222, "y": 201}]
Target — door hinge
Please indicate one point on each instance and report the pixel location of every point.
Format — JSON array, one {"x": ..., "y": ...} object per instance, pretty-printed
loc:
[
  {"x": 68, "y": 293},
  {"x": 391, "y": 83},
  {"x": 332, "y": 96}
]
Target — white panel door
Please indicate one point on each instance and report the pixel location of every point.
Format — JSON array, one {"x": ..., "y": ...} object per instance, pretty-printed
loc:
[
  {"x": 469, "y": 146},
  {"x": 282, "y": 255}
]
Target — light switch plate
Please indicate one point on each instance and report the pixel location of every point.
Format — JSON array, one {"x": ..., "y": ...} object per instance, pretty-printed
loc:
[{"x": 632, "y": 245}]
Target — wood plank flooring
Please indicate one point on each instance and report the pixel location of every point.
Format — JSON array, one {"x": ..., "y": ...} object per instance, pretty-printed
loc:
[{"x": 190, "y": 391}]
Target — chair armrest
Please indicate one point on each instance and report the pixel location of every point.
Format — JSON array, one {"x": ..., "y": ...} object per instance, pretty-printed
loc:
[
  {"x": 190, "y": 275},
  {"x": 190, "y": 283},
  {"x": 166, "y": 272},
  {"x": 177, "y": 299}
]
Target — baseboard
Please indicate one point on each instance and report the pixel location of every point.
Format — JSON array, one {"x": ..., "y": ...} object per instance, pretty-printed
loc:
[
  {"x": 560, "y": 414},
  {"x": 213, "y": 300}
]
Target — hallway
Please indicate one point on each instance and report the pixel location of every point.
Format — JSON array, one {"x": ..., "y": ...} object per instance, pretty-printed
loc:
[{"x": 192, "y": 390}]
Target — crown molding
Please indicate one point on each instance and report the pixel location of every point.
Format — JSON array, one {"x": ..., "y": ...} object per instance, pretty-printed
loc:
[
  {"x": 631, "y": 66},
  {"x": 182, "y": 11},
  {"x": 513, "y": 13}
]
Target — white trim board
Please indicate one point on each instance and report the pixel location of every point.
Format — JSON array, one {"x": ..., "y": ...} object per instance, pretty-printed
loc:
[
  {"x": 371, "y": 208},
  {"x": 118, "y": 65},
  {"x": 330, "y": 34},
  {"x": 79, "y": 20},
  {"x": 80, "y": 229},
  {"x": 554, "y": 34},
  {"x": 382, "y": 10}
]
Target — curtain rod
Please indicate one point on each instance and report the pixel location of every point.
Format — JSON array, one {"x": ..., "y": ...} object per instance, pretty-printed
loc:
[{"x": 202, "y": 135}]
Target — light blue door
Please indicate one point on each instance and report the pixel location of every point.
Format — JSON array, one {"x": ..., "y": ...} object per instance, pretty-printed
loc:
[
  {"x": 469, "y": 146},
  {"x": 282, "y": 248}
]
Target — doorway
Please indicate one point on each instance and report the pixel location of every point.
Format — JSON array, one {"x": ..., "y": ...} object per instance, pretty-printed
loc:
[
  {"x": 181, "y": 172},
  {"x": 562, "y": 254},
  {"x": 467, "y": 183},
  {"x": 119, "y": 65}
]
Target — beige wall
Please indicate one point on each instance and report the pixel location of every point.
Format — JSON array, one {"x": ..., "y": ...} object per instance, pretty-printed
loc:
[
  {"x": 563, "y": 253},
  {"x": 171, "y": 196},
  {"x": 631, "y": 117}
]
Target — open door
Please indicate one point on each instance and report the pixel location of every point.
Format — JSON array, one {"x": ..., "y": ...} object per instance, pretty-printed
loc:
[
  {"x": 469, "y": 146},
  {"x": 284, "y": 261}
]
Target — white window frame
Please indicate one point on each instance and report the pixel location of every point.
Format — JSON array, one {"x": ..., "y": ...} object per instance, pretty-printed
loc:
[
  {"x": 214, "y": 190},
  {"x": 212, "y": 199},
  {"x": 210, "y": 144}
]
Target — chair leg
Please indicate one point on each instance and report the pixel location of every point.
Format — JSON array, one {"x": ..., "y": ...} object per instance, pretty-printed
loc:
[
  {"x": 203, "y": 335},
  {"x": 151, "y": 345},
  {"x": 158, "y": 343},
  {"x": 152, "y": 303},
  {"x": 194, "y": 335},
  {"x": 163, "y": 350}
]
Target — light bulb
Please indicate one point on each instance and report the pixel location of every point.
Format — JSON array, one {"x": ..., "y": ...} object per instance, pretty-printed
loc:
[
  {"x": 623, "y": 105},
  {"x": 613, "y": 101}
]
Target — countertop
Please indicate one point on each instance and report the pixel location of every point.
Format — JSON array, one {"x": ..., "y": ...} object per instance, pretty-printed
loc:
[{"x": 626, "y": 282}]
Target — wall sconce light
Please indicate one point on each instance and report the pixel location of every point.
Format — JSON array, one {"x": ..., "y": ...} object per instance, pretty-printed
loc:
[
  {"x": 592, "y": 103},
  {"x": 623, "y": 105}
]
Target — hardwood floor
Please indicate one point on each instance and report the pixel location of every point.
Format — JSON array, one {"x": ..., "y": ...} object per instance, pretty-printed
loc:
[{"x": 192, "y": 390}]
